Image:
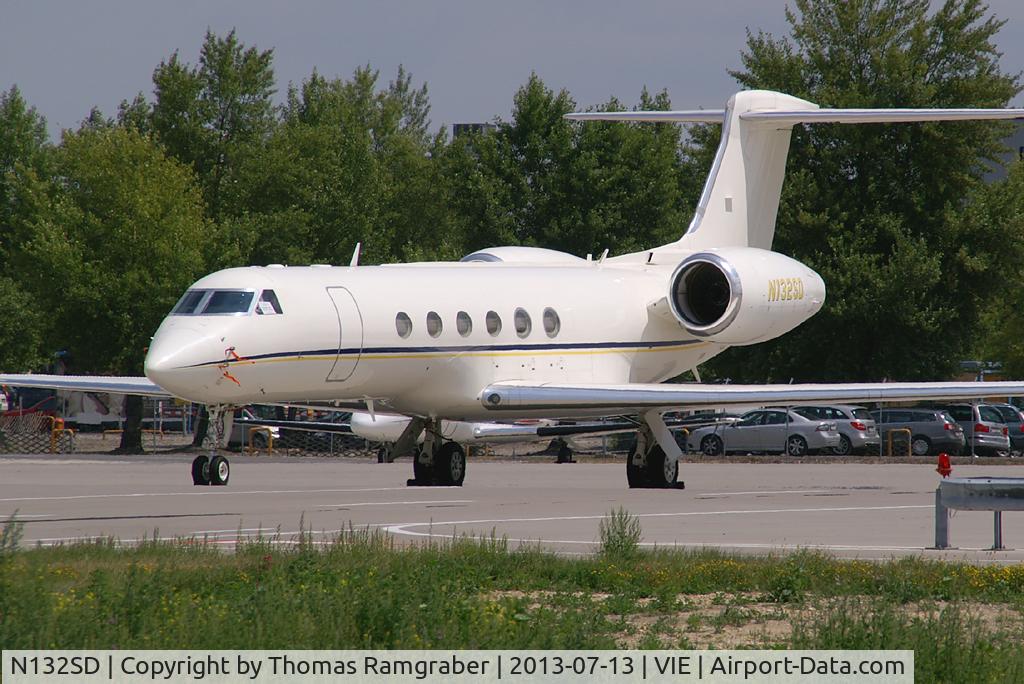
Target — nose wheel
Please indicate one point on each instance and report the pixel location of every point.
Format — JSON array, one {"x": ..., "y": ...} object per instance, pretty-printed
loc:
[{"x": 213, "y": 469}]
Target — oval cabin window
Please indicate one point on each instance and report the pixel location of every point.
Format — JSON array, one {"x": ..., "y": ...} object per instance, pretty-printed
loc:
[
  {"x": 434, "y": 325},
  {"x": 522, "y": 322},
  {"x": 493, "y": 321},
  {"x": 403, "y": 324},
  {"x": 463, "y": 323},
  {"x": 552, "y": 324}
]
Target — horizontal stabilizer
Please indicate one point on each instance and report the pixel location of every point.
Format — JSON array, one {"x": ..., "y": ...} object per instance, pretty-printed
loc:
[
  {"x": 858, "y": 116},
  {"x": 790, "y": 117},
  {"x": 693, "y": 116}
]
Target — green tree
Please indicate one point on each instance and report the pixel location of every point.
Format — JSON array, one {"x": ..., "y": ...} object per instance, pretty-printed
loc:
[
  {"x": 875, "y": 209},
  {"x": 350, "y": 162},
  {"x": 21, "y": 335},
  {"x": 996, "y": 212},
  {"x": 24, "y": 148},
  {"x": 542, "y": 180},
  {"x": 23, "y": 143},
  {"x": 214, "y": 115},
  {"x": 115, "y": 233}
]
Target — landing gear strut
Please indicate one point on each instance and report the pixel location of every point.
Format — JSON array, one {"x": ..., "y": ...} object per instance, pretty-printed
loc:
[
  {"x": 436, "y": 462},
  {"x": 648, "y": 465},
  {"x": 214, "y": 469}
]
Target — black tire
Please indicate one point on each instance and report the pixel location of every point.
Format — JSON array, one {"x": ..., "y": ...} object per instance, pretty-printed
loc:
[
  {"x": 796, "y": 446},
  {"x": 920, "y": 445},
  {"x": 636, "y": 476},
  {"x": 450, "y": 465},
  {"x": 845, "y": 447},
  {"x": 201, "y": 471},
  {"x": 220, "y": 471},
  {"x": 564, "y": 454},
  {"x": 662, "y": 471},
  {"x": 384, "y": 454},
  {"x": 423, "y": 473},
  {"x": 712, "y": 446}
]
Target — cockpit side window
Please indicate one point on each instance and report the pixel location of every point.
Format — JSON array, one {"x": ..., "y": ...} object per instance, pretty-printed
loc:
[
  {"x": 268, "y": 303},
  {"x": 189, "y": 302},
  {"x": 228, "y": 302}
]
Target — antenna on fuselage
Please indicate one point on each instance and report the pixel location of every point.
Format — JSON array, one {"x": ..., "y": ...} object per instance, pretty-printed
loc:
[{"x": 355, "y": 255}]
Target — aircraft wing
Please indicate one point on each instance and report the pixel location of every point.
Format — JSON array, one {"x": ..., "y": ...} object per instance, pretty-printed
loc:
[
  {"x": 621, "y": 399},
  {"x": 87, "y": 383}
]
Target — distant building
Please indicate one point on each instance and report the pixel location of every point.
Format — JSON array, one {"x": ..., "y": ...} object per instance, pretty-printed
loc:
[{"x": 462, "y": 128}]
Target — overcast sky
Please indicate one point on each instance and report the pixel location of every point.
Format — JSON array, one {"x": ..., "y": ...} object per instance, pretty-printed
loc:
[{"x": 68, "y": 56}]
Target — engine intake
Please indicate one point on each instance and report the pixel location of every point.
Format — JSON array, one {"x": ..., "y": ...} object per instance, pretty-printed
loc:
[{"x": 706, "y": 294}]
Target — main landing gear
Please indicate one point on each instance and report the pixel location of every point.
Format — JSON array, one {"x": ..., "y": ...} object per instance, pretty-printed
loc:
[
  {"x": 648, "y": 465},
  {"x": 214, "y": 469},
  {"x": 437, "y": 462}
]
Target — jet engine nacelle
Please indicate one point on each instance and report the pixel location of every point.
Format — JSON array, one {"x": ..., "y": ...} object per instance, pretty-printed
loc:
[{"x": 743, "y": 295}]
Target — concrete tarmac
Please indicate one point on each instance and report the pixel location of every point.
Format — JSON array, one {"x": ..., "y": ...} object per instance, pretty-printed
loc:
[{"x": 866, "y": 511}]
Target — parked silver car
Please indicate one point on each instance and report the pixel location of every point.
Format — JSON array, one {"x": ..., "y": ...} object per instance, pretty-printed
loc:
[
  {"x": 857, "y": 430},
  {"x": 931, "y": 430},
  {"x": 1014, "y": 419},
  {"x": 768, "y": 430},
  {"x": 984, "y": 428}
]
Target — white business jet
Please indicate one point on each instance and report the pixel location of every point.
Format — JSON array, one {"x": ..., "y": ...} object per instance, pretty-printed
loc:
[{"x": 517, "y": 332}]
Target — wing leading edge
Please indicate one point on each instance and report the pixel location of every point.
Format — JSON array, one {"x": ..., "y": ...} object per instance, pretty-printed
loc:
[
  {"x": 86, "y": 383},
  {"x": 619, "y": 399}
]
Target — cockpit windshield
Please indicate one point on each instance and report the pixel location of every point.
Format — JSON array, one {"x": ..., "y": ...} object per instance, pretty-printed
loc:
[
  {"x": 226, "y": 302},
  {"x": 212, "y": 302},
  {"x": 189, "y": 302}
]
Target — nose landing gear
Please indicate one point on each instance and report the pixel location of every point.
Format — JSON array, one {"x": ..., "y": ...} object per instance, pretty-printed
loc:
[{"x": 214, "y": 469}]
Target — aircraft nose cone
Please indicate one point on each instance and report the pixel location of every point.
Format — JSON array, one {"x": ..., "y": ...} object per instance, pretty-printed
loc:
[{"x": 170, "y": 355}]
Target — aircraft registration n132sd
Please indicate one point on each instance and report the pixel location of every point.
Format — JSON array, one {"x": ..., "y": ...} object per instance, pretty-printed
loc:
[{"x": 516, "y": 332}]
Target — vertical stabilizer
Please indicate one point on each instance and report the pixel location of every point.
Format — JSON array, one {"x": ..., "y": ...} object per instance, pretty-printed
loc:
[
  {"x": 741, "y": 195},
  {"x": 740, "y": 200}
]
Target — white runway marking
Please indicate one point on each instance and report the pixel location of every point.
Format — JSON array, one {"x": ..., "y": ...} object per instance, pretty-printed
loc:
[
  {"x": 400, "y": 528},
  {"x": 208, "y": 491},
  {"x": 778, "y": 491},
  {"x": 395, "y": 503}
]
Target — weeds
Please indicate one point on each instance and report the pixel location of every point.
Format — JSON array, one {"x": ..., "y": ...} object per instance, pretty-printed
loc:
[
  {"x": 361, "y": 590},
  {"x": 620, "y": 534},
  {"x": 10, "y": 536}
]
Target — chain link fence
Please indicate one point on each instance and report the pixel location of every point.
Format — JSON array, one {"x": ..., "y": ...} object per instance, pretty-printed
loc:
[{"x": 34, "y": 434}]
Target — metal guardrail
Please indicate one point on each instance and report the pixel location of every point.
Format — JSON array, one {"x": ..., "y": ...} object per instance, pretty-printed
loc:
[{"x": 996, "y": 494}]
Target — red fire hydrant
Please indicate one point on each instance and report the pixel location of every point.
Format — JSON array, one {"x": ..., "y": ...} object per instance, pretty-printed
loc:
[{"x": 944, "y": 469}]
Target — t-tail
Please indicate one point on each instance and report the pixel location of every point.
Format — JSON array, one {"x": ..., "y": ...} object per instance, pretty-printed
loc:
[{"x": 740, "y": 200}]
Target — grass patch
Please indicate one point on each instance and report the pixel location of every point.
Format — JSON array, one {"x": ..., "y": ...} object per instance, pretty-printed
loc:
[{"x": 363, "y": 591}]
